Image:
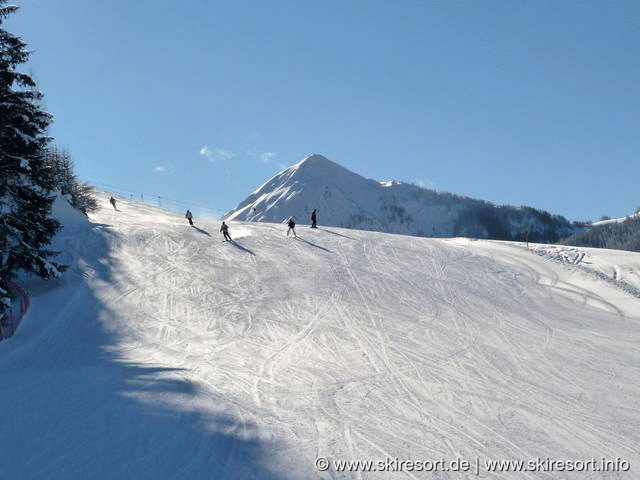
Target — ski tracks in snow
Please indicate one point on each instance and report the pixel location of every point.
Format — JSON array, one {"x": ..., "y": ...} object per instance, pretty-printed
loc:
[{"x": 367, "y": 345}]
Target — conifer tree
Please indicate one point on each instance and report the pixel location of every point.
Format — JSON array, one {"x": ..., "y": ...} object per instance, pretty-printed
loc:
[
  {"x": 26, "y": 182},
  {"x": 80, "y": 194}
]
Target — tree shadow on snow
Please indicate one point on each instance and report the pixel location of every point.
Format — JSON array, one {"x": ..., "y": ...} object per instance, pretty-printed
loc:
[{"x": 75, "y": 407}]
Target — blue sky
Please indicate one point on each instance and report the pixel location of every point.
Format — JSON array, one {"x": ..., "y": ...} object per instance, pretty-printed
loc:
[{"x": 522, "y": 102}]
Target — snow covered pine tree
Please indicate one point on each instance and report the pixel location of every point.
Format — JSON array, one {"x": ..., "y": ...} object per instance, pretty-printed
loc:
[{"x": 26, "y": 182}]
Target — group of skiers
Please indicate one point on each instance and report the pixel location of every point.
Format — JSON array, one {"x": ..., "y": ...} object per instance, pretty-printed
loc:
[
  {"x": 224, "y": 229},
  {"x": 292, "y": 223}
]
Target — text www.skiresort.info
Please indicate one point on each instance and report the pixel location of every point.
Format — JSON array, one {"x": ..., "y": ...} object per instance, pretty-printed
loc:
[{"x": 476, "y": 466}]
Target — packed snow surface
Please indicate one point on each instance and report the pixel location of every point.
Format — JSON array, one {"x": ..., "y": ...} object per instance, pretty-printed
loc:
[{"x": 165, "y": 353}]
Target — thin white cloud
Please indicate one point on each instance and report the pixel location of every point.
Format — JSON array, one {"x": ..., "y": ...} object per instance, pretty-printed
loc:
[
  {"x": 163, "y": 169},
  {"x": 207, "y": 153},
  {"x": 267, "y": 157},
  {"x": 217, "y": 154},
  {"x": 224, "y": 154}
]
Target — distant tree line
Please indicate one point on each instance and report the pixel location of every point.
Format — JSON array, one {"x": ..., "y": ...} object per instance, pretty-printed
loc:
[
  {"x": 485, "y": 220},
  {"x": 62, "y": 168},
  {"x": 624, "y": 235},
  {"x": 482, "y": 219},
  {"x": 461, "y": 216}
]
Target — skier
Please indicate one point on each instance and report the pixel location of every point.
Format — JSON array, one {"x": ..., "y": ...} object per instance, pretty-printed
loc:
[
  {"x": 314, "y": 223},
  {"x": 112, "y": 201},
  {"x": 225, "y": 231},
  {"x": 189, "y": 216},
  {"x": 292, "y": 227}
]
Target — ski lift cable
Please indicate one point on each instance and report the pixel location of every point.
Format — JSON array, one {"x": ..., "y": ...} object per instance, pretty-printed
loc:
[{"x": 153, "y": 199}]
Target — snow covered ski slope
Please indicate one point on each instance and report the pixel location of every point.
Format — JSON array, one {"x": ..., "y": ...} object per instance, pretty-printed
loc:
[{"x": 166, "y": 353}]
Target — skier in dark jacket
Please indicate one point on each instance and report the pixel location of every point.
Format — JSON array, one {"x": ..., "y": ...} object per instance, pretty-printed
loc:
[
  {"x": 225, "y": 231},
  {"x": 292, "y": 227},
  {"x": 112, "y": 201},
  {"x": 189, "y": 216},
  {"x": 314, "y": 220}
]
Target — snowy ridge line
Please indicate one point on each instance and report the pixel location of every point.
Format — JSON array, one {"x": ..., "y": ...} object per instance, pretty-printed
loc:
[
  {"x": 576, "y": 263},
  {"x": 615, "y": 220},
  {"x": 155, "y": 200},
  {"x": 14, "y": 318}
]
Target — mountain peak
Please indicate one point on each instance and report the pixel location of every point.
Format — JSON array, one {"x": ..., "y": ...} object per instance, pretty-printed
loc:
[
  {"x": 315, "y": 161},
  {"x": 314, "y": 183},
  {"x": 319, "y": 169},
  {"x": 343, "y": 198},
  {"x": 315, "y": 158}
]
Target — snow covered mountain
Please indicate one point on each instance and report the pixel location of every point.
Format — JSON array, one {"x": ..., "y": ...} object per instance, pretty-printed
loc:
[
  {"x": 345, "y": 199},
  {"x": 164, "y": 352}
]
